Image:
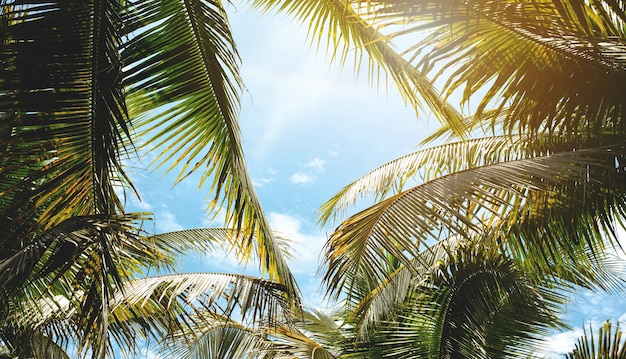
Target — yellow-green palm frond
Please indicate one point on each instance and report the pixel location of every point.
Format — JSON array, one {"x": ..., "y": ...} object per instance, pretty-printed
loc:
[
  {"x": 550, "y": 63},
  {"x": 609, "y": 345},
  {"x": 183, "y": 84},
  {"x": 346, "y": 32},
  {"x": 564, "y": 194},
  {"x": 475, "y": 303}
]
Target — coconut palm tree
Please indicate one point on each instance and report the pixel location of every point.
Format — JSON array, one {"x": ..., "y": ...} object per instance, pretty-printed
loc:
[
  {"x": 85, "y": 85},
  {"x": 47, "y": 315},
  {"x": 540, "y": 174},
  {"x": 543, "y": 206}
]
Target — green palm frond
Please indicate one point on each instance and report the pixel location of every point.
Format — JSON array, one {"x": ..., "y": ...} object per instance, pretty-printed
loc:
[
  {"x": 610, "y": 344},
  {"x": 193, "y": 310},
  {"x": 32, "y": 344},
  {"x": 63, "y": 118},
  {"x": 438, "y": 161},
  {"x": 341, "y": 26},
  {"x": 371, "y": 306},
  {"x": 183, "y": 83},
  {"x": 289, "y": 342},
  {"x": 524, "y": 197},
  {"x": 474, "y": 304},
  {"x": 57, "y": 249},
  {"x": 214, "y": 338},
  {"x": 255, "y": 298},
  {"x": 550, "y": 63}
]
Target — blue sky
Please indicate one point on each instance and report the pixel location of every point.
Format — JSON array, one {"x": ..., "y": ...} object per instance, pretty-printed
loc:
[{"x": 309, "y": 129}]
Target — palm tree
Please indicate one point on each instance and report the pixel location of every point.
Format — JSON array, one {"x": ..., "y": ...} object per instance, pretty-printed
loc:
[
  {"x": 538, "y": 173},
  {"x": 545, "y": 210},
  {"x": 44, "y": 318},
  {"x": 85, "y": 84}
]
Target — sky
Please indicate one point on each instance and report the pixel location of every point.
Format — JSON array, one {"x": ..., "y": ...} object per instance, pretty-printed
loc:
[{"x": 309, "y": 129}]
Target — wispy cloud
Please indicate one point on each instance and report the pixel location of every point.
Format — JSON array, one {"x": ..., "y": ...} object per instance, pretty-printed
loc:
[
  {"x": 317, "y": 164},
  {"x": 166, "y": 222},
  {"x": 307, "y": 246},
  {"x": 562, "y": 343},
  {"x": 302, "y": 178}
]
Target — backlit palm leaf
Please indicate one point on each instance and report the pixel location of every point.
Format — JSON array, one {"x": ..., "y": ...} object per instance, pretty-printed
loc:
[
  {"x": 222, "y": 293},
  {"x": 214, "y": 338},
  {"x": 552, "y": 64},
  {"x": 438, "y": 161},
  {"x": 183, "y": 86},
  {"x": 523, "y": 197},
  {"x": 474, "y": 304},
  {"x": 341, "y": 27}
]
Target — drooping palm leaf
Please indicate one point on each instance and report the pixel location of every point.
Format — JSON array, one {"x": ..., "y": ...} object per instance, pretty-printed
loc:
[
  {"x": 374, "y": 304},
  {"x": 182, "y": 80},
  {"x": 63, "y": 113},
  {"x": 550, "y": 63},
  {"x": 474, "y": 304},
  {"x": 211, "y": 338},
  {"x": 340, "y": 25},
  {"x": 222, "y": 293}
]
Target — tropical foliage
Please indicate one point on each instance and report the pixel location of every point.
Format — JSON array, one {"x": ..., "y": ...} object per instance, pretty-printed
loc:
[
  {"x": 87, "y": 86},
  {"x": 529, "y": 191},
  {"x": 609, "y": 344},
  {"x": 473, "y": 260}
]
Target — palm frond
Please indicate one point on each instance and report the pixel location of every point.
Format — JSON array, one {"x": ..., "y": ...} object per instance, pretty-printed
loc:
[
  {"x": 438, "y": 161},
  {"x": 609, "y": 345},
  {"x": 340, "y": 25},
  {"x": 182, "y": 78},
  {"x": 548, "y": 62},
  {"x": 560, "y": 188},
  {"x": 288, "y": 342},
  {"x": 474, "y": 304},
  {"x": 375, "y": 305},
  {"x": 63, "y": 114},
  {"x": 214, "y": 338},
  {"x": 255, "y": 298}
]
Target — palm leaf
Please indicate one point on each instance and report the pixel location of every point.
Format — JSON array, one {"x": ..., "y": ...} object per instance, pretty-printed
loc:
[
  {"x": 373, "y": 307},
  {"x": 214, "y": 338},
  {"x": 441, "y": 160},
  {"x": 340, "y": 25},
  {"x": 221, "y": 293},
  {"x": 63, "y": 116},
  {"x": 182, "y": 78},
  {"x": 534, "y": 192},
  {"x": 288, "y": 342},
  {"x": 550, "y": 63},
  {"x": 474, "y": 304},
  {"x": 609, "y": 345}
]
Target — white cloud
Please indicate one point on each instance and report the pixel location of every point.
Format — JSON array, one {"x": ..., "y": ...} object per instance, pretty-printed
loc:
[
  {"x": 166, "y": 222},
  {"x": 307, "y": 248},
  {"x": 307, "y": 245},
  {"x": 562, "y": 343},
  {"x": 316, "y": 163},
  {"x": 302, "y": 178}
]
